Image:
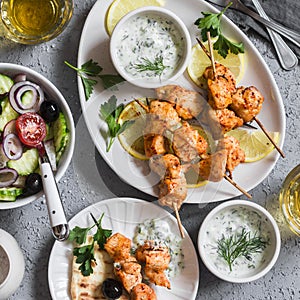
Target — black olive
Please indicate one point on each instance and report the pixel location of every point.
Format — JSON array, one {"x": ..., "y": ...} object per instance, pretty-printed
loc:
[
  {"x": 33, "y": 184},
  {"x": 111, "y": 288},
  {"x": 49, "y": 111}
]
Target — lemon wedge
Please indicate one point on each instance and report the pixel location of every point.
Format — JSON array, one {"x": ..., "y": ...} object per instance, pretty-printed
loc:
[
  {"x": 131, "y": 138},
  {"x": 199, "y": 62},
  {"x": 119, "y": 8},
  {"x": 255, "y": 143}
]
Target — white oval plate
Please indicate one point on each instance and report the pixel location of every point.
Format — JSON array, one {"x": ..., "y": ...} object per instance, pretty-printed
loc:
[
  {"x": 123, "y": 215},
  {"x": 94, "y": 44}
]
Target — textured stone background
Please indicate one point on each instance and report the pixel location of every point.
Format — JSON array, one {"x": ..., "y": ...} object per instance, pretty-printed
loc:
[{"x": 79, "y": 188}]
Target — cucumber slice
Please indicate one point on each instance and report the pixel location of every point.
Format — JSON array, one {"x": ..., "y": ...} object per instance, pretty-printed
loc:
[
  {"x": 28, "y": 162},
  {"x": 61, "y": 133},
  {"x": 8, "y": 113},
  {"x": 5, "y": 83},
  {"x": 10, "y": 194}
]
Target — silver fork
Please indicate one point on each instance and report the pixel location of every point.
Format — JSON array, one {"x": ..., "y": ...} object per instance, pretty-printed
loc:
[
  {"x": 292, "y": 35},
  {"x": 286, "y": 56}
]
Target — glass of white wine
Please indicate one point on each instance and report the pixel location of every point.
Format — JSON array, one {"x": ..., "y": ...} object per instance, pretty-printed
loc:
[
  {"x": 35, "y": 21},
  {"x": 289, "y": 199}
]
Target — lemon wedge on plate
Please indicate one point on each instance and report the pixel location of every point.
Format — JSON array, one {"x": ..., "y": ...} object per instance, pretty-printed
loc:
[
  {"x": 199, "y": 62},
  {"x": 119, "y": 8},
  {"x": 131, "y": 138},
  {"x": 255, "y": 143}
]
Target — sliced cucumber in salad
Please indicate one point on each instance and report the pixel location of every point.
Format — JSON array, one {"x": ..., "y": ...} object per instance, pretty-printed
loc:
[{"x": 19, "y": 159}]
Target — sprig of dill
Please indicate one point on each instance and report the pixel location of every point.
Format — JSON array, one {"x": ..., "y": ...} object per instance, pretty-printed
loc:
[
  {"x": 157, "y": 66},
  {"x": 237, "y": 245}
]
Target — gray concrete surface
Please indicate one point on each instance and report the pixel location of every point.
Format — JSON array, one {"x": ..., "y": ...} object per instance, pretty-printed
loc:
[{"x": 79, "y": 188}]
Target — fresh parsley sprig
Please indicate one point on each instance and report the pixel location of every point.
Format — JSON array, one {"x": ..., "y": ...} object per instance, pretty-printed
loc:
[
  {"x": 157, "y": 66},
  {"x": 212, "y": 22},
  {"x": 85, "y": 254},
  {"x": 237, "y": 245},
  {"x": 110, "y": 112},
  {"x": 92, "y": 69}
]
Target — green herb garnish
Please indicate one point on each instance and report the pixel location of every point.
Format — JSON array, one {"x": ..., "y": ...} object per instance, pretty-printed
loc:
[
  {"x": 243, "y": 244},
  {"x": 92, "y": 69},
  {"x": 85, "y": 254},
  {"x": 110, "y": 112},
  {"x": 211, "y": 22},
  {"x": 157, "y": 66}
]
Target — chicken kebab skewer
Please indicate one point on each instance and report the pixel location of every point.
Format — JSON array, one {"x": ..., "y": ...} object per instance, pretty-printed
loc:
[
  {"x": 191, "y": 148},
  {"x": 244, "y": 102}
]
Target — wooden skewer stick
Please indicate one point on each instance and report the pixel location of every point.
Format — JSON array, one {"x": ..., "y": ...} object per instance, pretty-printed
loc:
[
  {"x": 203, "y": 48},
  {"x": 237, "y": 186},
  {"x": 268, "y": 136},
  {"x": 178, "y": 220},
  {"x": 211, "y": 54}
]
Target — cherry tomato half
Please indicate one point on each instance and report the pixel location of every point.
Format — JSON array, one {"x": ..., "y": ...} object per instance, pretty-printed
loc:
[{"x": 31, "y": 129}]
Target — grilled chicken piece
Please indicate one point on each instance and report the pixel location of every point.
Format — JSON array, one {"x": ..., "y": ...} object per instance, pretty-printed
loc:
[
  {"x": 188, "y": 144},
  {"x": 247, "y": 102},
  {"x": 129, "y": 273},
  {"x": 221, "y": 86},
  {"x": 172, "y": 190},
  {"x": 188, "y": 104},
  {"x": 154, "y": 145},
  {"x": 161, "y": 163},
  {"x": 156, "y": 259},
  {"x": 227, "y": 119},
  {"x": 142, "y": 291},
  {"x": 235, "y": 155},
  {"x": 118, "y": 247},
  {"x": 212, "y": 167}
]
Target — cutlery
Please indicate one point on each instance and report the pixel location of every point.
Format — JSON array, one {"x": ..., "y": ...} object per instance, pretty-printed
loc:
[
  {"x": 286, "y": 56},
  {"x": 292, "y": 35}
]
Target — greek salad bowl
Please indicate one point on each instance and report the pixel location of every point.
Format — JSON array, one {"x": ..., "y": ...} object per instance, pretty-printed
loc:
[
  {"x": 150, "y": 47},
  {"x": 239, "y": 241},
  {"x": 34, "y": 119}
]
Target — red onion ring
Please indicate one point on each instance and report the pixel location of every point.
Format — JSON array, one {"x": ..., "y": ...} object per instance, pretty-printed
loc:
[
  {"x": 10, "y": 127},
  {"x": 8, "y": 176},
  {"x": 15, "y": 97},
  {"x": 12, "y": 146},
  {"x": 20, "y": 77}
]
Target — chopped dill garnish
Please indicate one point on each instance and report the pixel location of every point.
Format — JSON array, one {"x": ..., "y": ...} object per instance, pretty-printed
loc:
[{"x": 157, "y": 66}]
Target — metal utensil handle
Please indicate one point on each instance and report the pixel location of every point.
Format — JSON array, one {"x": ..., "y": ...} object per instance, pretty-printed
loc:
[
  {"x": 293, "y": 36},
  {"x": 286, "y": 56},
  {"x": 56, "y": 213}
]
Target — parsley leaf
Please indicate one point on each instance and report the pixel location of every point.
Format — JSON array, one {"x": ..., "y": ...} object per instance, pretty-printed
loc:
[
  {"x": 85, "y": 254},
  {"x": 79, "y": 234},
  {"x": 102, "y": 234},
  {"x": 110, "y": 112},
  {"x": 212, "y": 22},
  {"x": 92, "y": 69}
]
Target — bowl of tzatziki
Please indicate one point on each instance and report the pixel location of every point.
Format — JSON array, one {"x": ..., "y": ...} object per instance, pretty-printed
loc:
[
  {"x": 239, "y": 241},
  {"x": 150, "y": 47}
]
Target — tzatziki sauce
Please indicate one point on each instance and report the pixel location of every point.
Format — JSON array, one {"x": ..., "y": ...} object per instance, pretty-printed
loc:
[
  {"x": 148, "y": 39},
  {"x": 230, "y": 222},
  {"x": 159, "y": 231}
]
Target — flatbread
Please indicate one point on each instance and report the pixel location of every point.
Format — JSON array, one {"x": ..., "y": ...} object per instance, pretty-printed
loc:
[{"x": 89, "y": 287}]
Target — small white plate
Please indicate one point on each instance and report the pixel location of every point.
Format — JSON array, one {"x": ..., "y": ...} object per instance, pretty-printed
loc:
[
  {"x": 123, "y": 215},
  {"x": 94, "y": 44}
]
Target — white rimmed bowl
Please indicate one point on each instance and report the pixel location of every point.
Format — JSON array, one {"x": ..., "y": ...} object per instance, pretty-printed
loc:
[
  {"x": 132, "y": 26},
  {"x": 240, "y": 214},
  {"x": 55, "y": 95}
]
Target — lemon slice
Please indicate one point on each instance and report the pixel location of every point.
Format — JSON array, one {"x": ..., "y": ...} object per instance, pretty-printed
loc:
[
  {"x": 131, "y": 138},
  {"x": 255, "y": 143},
  {"x": 199, "y": 62},
  {"x": 119, "y": 8}
]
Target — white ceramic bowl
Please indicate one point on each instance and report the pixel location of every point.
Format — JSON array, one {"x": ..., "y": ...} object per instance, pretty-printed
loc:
[
  {"x": 151, "y": 45},
  {"x": 241, "y": 213},
  {"x": 55, "y": 95}
]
